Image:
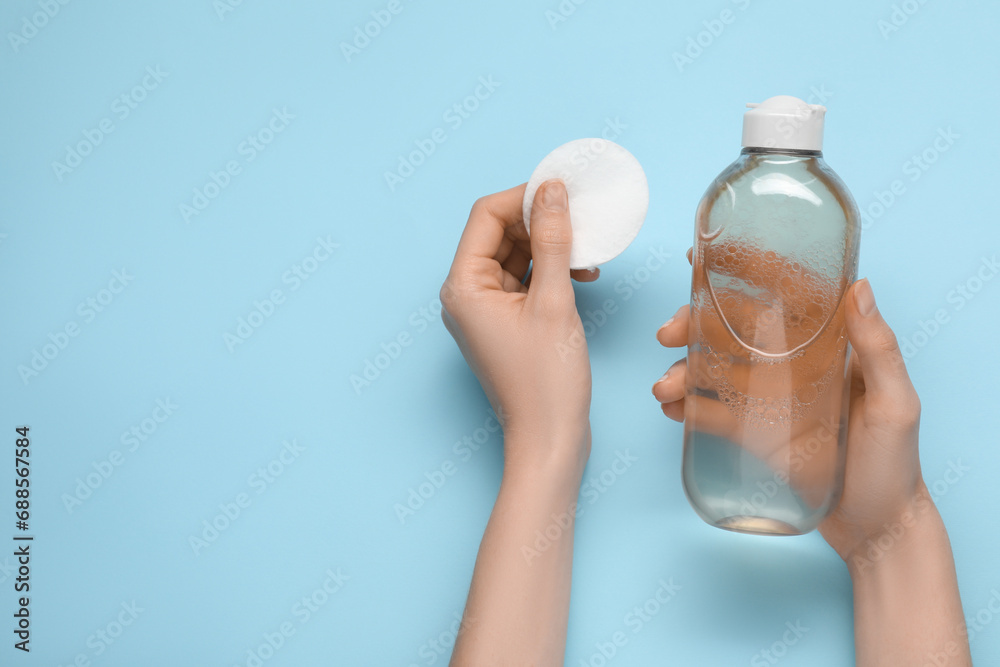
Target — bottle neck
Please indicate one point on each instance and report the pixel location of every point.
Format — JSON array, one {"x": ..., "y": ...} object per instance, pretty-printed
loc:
[{"x": 760, "y": 150}]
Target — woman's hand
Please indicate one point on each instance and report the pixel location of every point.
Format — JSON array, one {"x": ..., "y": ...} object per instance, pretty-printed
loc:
[
  {"x": 886, "y": 527},
  {"x": 524, "y": 340},
  {"x": 882, "y": 479},
  {"x": 525, "y": 343}
]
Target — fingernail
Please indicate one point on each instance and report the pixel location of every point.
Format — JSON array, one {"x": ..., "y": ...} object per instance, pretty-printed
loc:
[
  {"x": 554, "y": 196},
  {"x": 864, "y": 298},
  {"x": 664, "y": 377},
  {"x": 665, "y": 325}
]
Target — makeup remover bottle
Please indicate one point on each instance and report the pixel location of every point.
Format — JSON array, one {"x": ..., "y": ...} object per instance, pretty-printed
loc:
[{"x": 766, "y": 400}]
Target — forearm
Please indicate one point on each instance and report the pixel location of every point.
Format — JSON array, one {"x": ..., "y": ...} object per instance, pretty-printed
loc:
[
  {"x": 907, "y": 609},
  {"x": 518, "y": 603}
]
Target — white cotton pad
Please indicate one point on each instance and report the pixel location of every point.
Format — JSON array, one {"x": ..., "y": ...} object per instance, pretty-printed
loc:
[{"x": 608, "y": 197}]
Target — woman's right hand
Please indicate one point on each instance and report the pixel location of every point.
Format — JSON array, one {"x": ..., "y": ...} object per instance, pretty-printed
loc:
[{"x": 883, "y": 480}]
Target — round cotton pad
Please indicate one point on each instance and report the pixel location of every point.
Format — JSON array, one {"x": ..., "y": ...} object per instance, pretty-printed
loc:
[{"x": 608, "y": 197}]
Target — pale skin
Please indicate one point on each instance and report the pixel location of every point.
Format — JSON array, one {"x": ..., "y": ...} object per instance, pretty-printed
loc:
[{"x": 524, "y": 341}]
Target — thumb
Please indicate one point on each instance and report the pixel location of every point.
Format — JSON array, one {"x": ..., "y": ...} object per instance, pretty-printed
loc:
[
  {"x": 551, "y": 240},
  {"x": 882, "y": 364}
]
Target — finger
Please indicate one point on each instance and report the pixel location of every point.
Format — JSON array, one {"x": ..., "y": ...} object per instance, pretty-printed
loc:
[
  {"x": 857, "y": 378},
  {"x": 881, "y": 360},
  {"x": 551, "y": 239},
  {"x": 690, "y": 252},
  {"x": 517, "y": 262},
  {"x": 511, "y": 243},
  {"x": 674, "y": 332},
  {"x": 701, "y": 373},
  {"x": 518, "y": 265},
  {"x": 670, "y": 387},
  {"x": 674, "y": 410},
  {"x": 712, "y": 416},
  {"x": 510, "y": 283},
  {"x": 585, "y": 275},
  {"x": 488, "y": 222}
]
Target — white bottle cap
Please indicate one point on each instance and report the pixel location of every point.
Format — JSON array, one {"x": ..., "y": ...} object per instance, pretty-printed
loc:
[{"x": 784, "y": 122}]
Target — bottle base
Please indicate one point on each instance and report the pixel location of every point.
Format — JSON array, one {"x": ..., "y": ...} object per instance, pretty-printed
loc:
[
  {"x": 756, "y": 525},
  {"x": 729, "y": 488}
]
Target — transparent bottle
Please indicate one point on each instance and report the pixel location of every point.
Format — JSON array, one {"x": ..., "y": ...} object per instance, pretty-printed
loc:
[{"x": 776, "y": 248}]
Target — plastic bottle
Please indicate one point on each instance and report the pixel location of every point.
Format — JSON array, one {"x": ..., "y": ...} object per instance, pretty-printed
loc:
[{"x": 776, "y": 248}]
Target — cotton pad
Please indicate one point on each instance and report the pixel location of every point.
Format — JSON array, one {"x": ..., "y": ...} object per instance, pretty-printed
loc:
[{"x": 608, "y": 197}]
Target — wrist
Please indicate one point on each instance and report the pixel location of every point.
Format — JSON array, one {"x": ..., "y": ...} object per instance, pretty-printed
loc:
[
  {"x": 907, "y": 610},
  {"x": 557, "y": 458},
  {"x": 916, "y": 533}
]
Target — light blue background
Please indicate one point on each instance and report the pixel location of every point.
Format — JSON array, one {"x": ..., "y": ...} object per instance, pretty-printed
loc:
[{"x": 333, "y": 506}]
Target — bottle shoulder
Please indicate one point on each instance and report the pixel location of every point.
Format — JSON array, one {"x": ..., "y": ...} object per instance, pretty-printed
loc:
[{"x": 755, "y": 182}]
